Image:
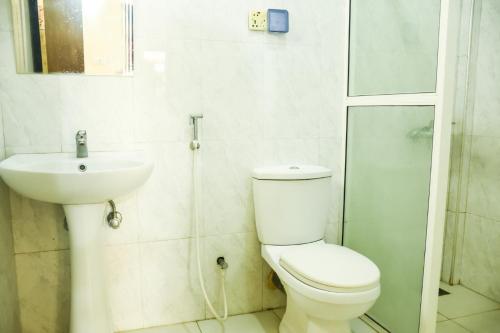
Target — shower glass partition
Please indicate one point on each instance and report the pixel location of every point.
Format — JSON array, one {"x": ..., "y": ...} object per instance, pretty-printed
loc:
[
  {"x": 398, "y": 120},
  {"x": 389, "y": 151}
]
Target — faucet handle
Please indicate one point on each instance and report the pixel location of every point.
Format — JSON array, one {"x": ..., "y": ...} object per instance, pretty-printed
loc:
[
  {"x": 81, "y": 133},
  {"x": 81, "y": 136}
]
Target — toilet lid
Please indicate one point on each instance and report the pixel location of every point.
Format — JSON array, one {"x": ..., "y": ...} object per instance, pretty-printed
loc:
[{"x": 331, "y": 267}]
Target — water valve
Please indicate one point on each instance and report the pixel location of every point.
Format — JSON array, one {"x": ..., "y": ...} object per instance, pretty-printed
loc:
[{"x": 114, "y": 217}]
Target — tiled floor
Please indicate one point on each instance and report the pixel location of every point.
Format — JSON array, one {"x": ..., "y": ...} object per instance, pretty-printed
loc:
[
  {"x": 464, "y": 311},
  {"x": 260, "y": 322}
]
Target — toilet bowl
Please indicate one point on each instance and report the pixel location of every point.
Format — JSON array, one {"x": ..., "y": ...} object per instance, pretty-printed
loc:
[
  {"x": 326, "y": 285},
  {"x": 318, "y": 300}
]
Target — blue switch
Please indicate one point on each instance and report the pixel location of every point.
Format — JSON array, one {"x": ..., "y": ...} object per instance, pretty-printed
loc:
[{"x": 277, "y": 20}]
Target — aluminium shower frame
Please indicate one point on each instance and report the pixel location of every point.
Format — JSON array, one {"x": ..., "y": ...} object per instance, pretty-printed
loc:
[{"x": 442, "y": 100}]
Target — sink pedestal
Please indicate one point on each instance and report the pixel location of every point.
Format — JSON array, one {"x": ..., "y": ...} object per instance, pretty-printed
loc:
[{"x": 90, "y": 310}]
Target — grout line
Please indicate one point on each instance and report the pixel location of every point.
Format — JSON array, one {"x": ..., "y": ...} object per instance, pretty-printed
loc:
[
  {"x": 475, "y": 314},
  {"x": 43, "y": 251},
  {"x": 481, "y": 295},
  {"x": 198, "y": 325},
  {"x": 461, "y": 326},
  {"x": 272, "y": 310}
]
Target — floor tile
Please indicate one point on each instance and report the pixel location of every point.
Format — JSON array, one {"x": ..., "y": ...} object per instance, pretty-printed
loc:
[
  {"x": 488, "y": 322},
  {"x": 463, "y": 302},
  {"x": 359, "y": 326},
  {"x": 440, "y": 317},
  {"x": 450, "y": 327},
  {"x": 261, "y": 322},
  {"x": 180, "y": 328}
]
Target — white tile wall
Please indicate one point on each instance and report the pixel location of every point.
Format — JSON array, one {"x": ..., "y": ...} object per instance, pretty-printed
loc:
[
  {"x": 267, "y": 99},
  {"x": 474, "y": 181},
  {"x": 9, "y": 304}
]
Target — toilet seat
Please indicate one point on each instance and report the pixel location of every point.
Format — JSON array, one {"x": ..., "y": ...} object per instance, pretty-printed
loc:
[
  {"x": 272, "y": 255},
  {"x": 331, "y": 267}
]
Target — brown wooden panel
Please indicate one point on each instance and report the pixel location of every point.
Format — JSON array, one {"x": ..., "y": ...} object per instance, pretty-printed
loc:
[{"x": 64, "y": 35}]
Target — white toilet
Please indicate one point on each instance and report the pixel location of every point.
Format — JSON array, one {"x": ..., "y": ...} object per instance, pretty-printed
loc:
[{"x": 327, "y": 285}]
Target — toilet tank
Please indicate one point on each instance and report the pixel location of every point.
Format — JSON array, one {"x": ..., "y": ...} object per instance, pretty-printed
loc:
[{"x": 291, "y": 203}]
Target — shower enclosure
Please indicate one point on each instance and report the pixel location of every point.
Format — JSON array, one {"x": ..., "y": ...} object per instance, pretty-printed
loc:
[
  {"x": 398, "y": 122},
  {"x": 472, "y": 240}
]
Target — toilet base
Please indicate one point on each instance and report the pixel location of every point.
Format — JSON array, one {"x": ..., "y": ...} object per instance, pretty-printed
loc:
[{"x": 296, "y": 320}]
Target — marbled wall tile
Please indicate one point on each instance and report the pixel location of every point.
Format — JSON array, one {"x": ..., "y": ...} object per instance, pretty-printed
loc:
[
  {"x": 101, "y": 105},
  {"x": 124, "y": 285},
  {"x": 43, "y": 280},
  {"x": 8, "y": 61},
  {"x": 292, "y": 93},
  {"x": 227, "y": 185},
  {"x": 463, "y": 181},
  {"x": 272, "y": 297},
  {"x": 33, "y": 123},
  {"x": 5, "y": 17},
  {"x": 487, "y": 98},
  {"x": 455, "y": 173},
  {"x": 484, "y": 182},
  {"x": 9, "y": 304},
  {"x": 170, "y": 289},
  {"x": 165, "y": 201},
  {"x": 37, "y": 226},
  {"x": 481, "y": 261},
  {"x": 175, "y": 19},
  {"x": 448, "y": 248},
  {"x": 167, "y": 88},
  {"x": 331, "y": 155},
  {"x": 272, "y": 91},
  {"x": 309, "y": 25},
  {"x": 227, "y": 202},
  {"x": 333, "y": 233},
  {"x": 289, "y": 151},
  {"x": 231, "y": 90},
  {"x": 2, "y": 142},
  {"x": 243, "y": 276}
]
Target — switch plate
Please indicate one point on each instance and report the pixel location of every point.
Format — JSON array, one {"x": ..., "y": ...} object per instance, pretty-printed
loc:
[
  {"x": 278, "y": 20},
  {"x": 257, "y": 20}
]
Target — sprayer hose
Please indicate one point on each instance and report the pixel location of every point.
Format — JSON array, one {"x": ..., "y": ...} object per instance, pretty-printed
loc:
[{"x": 196, "y": 191}]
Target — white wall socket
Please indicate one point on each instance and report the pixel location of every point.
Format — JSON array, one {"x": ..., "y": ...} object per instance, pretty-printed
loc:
[{"x": 257, "y": 20}]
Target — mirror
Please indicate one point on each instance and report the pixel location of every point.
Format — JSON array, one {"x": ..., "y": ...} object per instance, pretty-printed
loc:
[{"x": 93, "y": 37}]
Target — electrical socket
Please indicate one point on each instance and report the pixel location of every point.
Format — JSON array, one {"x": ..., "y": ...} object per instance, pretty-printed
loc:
[{"x": 257, "y": 20}]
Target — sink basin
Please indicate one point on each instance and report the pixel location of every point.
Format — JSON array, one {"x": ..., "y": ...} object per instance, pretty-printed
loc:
[
  {"x": 83, "y": 186},
  {"x": 64, "y": 179}
]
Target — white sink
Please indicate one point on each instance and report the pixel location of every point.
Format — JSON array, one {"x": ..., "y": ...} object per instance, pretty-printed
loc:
[
  {"x": 83, "y": 186},
  {"x": 65, "y": 179}
]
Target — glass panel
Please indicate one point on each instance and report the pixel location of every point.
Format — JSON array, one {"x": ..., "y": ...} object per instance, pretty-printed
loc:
[
  {"x": 393, "y": 46},
  {"x": 73, "y": 36},
  {"x": 389, "y": 151}
]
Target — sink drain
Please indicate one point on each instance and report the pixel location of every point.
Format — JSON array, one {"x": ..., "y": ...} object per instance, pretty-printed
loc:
[{"x": 82, "y": 167}]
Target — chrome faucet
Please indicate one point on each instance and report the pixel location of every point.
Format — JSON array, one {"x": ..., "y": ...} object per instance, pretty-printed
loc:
[{"x": 81, "y": 144}]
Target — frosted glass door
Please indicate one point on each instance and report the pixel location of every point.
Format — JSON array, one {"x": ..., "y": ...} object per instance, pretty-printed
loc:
[
  {"x": 393, "y": 46},
  {"x": 388, "y": 166}
]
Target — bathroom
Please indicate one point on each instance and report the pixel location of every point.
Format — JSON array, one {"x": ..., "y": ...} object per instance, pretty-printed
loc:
[{"x": 395, "y": 100}]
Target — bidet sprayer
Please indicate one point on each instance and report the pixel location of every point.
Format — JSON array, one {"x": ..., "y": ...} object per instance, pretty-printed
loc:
[{"x": 195, "y": 144}]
